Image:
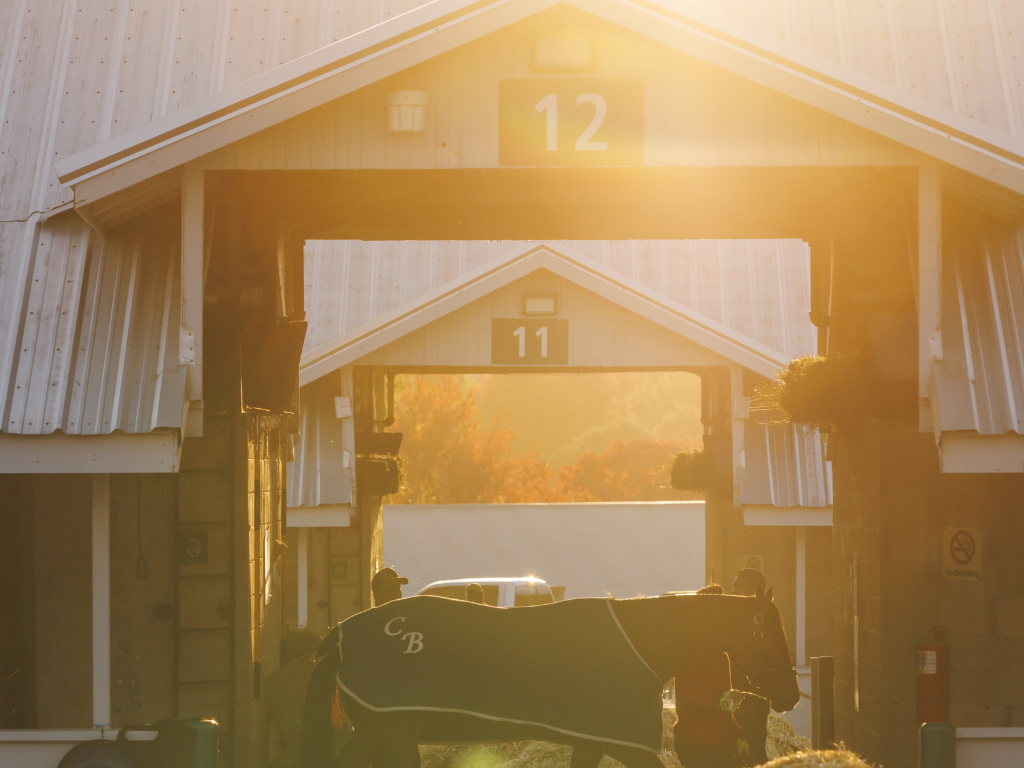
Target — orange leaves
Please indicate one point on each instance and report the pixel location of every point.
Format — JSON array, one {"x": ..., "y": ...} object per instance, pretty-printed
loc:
[{"x": 449, "y": 457}]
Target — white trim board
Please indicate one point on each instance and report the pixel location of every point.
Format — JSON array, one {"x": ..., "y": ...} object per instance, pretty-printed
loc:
[
  {"x": 324, "y": 516},
  {"x": 767, "y": 515},
  {"x": 157, "y": 451},
  {"x": 517, "y": 263},
  {"x": 410, "y": 38},
  {"x": 57, "y": 736},
  {"x": 971, "y": 452},
  {"x": 990, "y": 733}
]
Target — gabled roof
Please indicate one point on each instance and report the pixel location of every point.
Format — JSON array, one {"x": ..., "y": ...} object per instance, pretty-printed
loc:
[
  {"x": 406, "y": 40},
  {"x": 517, "y": 263}
]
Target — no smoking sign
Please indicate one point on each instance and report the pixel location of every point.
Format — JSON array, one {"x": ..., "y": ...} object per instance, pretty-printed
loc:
[{"x": 961, "y": 553}]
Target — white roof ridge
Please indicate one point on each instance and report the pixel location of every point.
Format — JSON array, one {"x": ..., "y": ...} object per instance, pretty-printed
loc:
[
  {"x": 304, "y": 83},
  {"x": 517, "y": 262}
]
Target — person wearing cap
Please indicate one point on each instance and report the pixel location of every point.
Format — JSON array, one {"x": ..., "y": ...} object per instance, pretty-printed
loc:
[
  {"x": 475, "y": 593},
  {"x": 387, "y": 585},
  {"x": 747, "y": 581},
  {"x": 752, "y": 715}
]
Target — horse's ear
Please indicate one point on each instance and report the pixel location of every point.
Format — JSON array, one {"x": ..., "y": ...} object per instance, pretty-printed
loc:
[{"x": 770, "y": 594}]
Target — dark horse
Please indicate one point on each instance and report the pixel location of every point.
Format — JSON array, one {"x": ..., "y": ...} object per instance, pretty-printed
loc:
[{"x": 663, "y": 635}]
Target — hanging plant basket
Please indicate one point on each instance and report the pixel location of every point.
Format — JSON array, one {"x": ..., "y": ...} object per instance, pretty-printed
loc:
[
  {"x": 822, "y": 392},
  {"x": 378, "y": 475},
  {"x": 694, "y": 471}
]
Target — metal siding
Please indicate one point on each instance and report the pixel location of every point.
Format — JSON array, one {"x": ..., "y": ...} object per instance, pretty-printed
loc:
[
  {"x": 979, "y": 383},
  {"x": 98, "y": 337},
  {"x": 75, "y": 72},
  {"x": 785, "y": 466},
  {"x": 317, "y": 475},
  {"x": 760, "y": 289}
]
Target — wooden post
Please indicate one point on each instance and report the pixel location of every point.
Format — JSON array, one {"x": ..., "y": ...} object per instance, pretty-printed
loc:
[
  {"x": 823, "y": 730},
  {"x": 738, "y": 411},
  {"x": 302, "y": 576},
  {"x": 101, "y": 601},
  {"x": 929, "y": 274},
  {"x": 801, "y": 596},
  {"x": 190, "y": 337}
]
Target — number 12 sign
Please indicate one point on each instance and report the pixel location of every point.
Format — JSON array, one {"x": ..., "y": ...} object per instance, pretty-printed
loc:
[
  {"x": 529, "y": 342},
  {"x": 591, "y": 121}
]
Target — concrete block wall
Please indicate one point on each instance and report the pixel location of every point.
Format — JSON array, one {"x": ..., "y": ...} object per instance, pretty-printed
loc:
[
  {"x": 856, "y": 545},
  {"x": 891, "y": 507}
]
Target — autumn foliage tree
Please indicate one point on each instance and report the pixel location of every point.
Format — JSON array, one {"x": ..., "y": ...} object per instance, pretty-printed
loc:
[
  {"x": 628, "y": 470},
  {"x": 449, "y": 457}
]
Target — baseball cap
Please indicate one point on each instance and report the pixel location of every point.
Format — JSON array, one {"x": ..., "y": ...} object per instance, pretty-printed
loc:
[
  {"x": 387, "y": 575},
  {"x": 751, "y": 576}
]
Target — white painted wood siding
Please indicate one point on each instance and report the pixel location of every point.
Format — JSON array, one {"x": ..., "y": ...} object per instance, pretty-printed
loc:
[
  {"x": 695, "y": 115},
  {"x": 601, "y": 334}
]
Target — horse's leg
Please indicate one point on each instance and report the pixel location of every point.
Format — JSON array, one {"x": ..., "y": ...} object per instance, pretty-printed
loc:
[
  {"x": 400, "y": 735},
  {"x": 361, "y": 749},
  {"x": 586, "y": 754}
]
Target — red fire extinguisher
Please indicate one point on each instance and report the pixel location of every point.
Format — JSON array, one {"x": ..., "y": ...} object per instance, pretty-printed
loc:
[{"x": 931, "y": 660}]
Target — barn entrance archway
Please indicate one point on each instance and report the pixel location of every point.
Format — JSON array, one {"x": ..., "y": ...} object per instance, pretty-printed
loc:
[{"x": 708, "y": 307}]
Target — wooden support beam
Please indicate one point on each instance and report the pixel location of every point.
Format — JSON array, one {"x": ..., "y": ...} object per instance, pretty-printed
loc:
[
  {"x": 929, "y": 272},
  {"x": 736, "y": 411},
  {"x": 101, "y": 601},
  {"x": 302, "y": 577},
  {"x": 193, "y": 249}
]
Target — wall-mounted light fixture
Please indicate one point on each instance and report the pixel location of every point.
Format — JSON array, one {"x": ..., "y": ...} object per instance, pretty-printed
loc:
[
  {"x": 407, "y": 110},
  {"x": 540, "y": 303},
  {"x": 562, "y": 53}
]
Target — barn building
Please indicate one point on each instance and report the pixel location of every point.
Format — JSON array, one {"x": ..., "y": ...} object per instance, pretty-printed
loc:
[{"x": 157, "y": 243}]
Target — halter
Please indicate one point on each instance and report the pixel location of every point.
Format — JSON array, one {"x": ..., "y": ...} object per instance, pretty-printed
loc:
[{"x": 756, "y": 666}]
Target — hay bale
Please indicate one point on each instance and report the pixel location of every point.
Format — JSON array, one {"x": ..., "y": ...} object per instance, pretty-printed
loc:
[
  {"x": 826, "y": 758},
  {"x": 782, "y": 742},
  {"x": 782, "y": 739}
]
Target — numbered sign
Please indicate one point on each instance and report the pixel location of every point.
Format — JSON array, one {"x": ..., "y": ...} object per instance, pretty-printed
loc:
[
  {"x": 529, "y": 342},
  {"x": 571, "y": 122}
]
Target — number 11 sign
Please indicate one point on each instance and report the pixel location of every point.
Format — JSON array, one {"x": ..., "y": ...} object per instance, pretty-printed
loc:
[
  {"x": 565, "y": 122},
  {"x": 529, "y": 342}
]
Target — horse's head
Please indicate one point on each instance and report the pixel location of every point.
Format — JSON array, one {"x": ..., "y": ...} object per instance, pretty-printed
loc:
[{"x": 763, "y": 654}]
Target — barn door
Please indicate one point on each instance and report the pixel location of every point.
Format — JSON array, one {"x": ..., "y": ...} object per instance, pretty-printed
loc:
[{"x": 203, "y": 569}]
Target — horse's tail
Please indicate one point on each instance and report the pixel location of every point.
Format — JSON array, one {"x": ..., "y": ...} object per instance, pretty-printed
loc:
[{"x": 317, "y": 728}]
